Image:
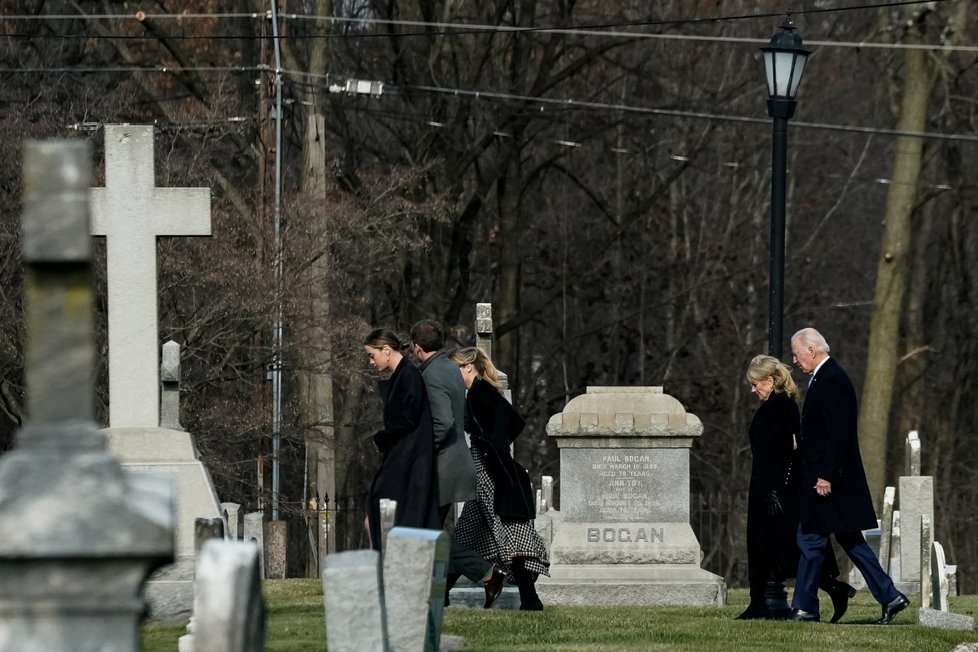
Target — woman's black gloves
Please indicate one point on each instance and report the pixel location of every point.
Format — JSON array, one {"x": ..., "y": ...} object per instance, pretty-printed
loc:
[{"x": 772, "y": 504}]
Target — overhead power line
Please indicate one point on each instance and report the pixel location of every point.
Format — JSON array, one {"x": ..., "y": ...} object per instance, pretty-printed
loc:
[
  {"x": 607, "y": 30},
  {"x": 568, "y": 103}
]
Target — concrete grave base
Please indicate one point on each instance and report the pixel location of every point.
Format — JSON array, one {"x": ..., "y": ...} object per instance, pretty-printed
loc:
[
  {"x": 171, "y": 453},
  {"x": 169, "y": 592},
  {"x": 474, "y": 597},
  {"x": 944, "y": 620},
  {"x": 631, "y": 585}
]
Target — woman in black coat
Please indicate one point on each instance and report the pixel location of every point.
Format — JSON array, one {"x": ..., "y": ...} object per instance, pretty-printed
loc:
[
  {"x": 407, "y": 470},
  {"x": 772, "y": 503},
  {"x": 498, "y": 524}
]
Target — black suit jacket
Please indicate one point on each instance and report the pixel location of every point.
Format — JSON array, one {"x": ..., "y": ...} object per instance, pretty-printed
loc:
[{"x": 829, "y": 446}]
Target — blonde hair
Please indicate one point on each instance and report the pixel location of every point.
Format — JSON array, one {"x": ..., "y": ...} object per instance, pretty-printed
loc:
[
  {"x": 766, "y": 366},
  {"x": 484, "y": 368}
]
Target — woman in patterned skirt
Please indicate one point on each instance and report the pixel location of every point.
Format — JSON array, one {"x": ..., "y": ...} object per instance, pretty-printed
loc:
[{"x": 498, "y": 524}]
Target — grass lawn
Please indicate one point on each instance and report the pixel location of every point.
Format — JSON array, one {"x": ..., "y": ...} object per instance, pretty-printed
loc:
[{"x": 295, "y": 622}]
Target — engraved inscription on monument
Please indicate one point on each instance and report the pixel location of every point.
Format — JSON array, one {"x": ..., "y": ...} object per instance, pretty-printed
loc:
[
  {"x": 625, "y": 485},
  {"x": 622, "y": 487}
]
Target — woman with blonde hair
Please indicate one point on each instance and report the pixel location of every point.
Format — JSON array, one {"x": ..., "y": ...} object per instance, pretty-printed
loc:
[
  {"x": 772, "y": 518},
  {"x": 498, "y": 523}
]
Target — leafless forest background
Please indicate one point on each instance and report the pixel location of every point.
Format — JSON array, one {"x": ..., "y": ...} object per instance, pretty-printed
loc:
[{"x": 599, "y": 171}]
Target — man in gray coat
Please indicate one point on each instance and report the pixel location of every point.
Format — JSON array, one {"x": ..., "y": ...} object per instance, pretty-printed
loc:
[{"x": 456, "y": 470}]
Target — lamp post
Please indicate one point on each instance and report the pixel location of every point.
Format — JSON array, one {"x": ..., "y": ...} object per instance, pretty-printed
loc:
[{"x": 784, "y": 64}]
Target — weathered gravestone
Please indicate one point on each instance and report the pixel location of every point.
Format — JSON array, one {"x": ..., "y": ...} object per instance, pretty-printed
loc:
[
  {"x": 70, "y": 569},
  {"x": 170, "y": 387},
  {"x": 254, "y": 531},
  {"x": 937, "y": 613},
  {"x": 276, "y": 542},
  {"x": 131, "y": 213},
  {"x": 403, "y": 589},
  {"x": 915, "y": 494},
  {"x": 353, "y": 596},
  {"x": 622, "y": 534},
  {"x": 926, "y": 543},
  {"x": 229, "y": 612},
  {"x": 886, "y": 528},
  {"x": 235, "y": 523},
  {"x": 415, "y": 565}
]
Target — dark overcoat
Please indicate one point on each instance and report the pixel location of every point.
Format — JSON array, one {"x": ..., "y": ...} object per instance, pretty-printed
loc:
[
  {"x": 446, "y": 395},
  {"x": 407, "y": 470},
  {"x": 772, "y": 552},
  {"x": 493, "y": 425},
  {"x": 829, "y": 446}
]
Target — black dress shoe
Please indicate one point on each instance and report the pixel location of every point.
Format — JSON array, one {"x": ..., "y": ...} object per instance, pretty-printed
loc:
[
  {"x": 890, "y": 611},
  {"x": 840, "y": 594},
  {"x": 802, "y": 616},
  {"x": 494, "y": 587}
]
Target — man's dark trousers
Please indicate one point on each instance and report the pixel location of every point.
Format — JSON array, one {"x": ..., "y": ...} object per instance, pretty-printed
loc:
[{"x": 813, "y": 547}]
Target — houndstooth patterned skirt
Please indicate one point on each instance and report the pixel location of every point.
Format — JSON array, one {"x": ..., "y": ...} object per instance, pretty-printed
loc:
[{"x": 497, "y": 541}]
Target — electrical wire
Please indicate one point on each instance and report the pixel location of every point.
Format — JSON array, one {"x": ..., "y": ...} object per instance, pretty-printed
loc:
[
  {"x": 590, "y": 105},
  {"x": 457, "y": 29}
]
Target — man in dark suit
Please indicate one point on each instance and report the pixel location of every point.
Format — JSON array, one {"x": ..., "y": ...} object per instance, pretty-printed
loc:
[
  {"x": 834, "y": 495},
  {"x": 456, "y": 470}
]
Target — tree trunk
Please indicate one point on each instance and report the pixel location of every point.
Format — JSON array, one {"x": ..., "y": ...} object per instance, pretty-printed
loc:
[
  {"x": 315, "y": 383},
  {"x": 508, "y": 293},
  {"x": 893, "y": 265}
]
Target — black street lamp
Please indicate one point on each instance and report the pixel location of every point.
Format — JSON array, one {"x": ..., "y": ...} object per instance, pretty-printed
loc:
[{"x": 784, "y": 64}]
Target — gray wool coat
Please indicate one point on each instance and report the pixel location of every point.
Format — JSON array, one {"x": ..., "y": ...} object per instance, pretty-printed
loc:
[{"x": 446, "y": 394}]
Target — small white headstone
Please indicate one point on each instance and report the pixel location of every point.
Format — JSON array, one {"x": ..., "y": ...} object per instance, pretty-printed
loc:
[
  {"x": 353, "y": 596},
  {"x": 938, "y": 577},
  {"x": 913, "y": 453},
  {"x": 916, "y": 496},
  {"x": 886, "y": 527},
  {"x": 388, "y": 509},
  {"x": 229, "y": 614},
  {"x": 547, "y": 483},
  {"x": 415, "y": 566},
  {"x": 926, "y": 544},
  {"x": 234, "y": 529},
  {"x": 895, "y": 546},
  {"x": 254, "y": 532}
]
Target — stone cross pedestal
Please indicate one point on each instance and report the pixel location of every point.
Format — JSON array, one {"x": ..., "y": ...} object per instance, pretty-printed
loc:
[
  {"x": 131, "y": 213},
  {"x": 622, "y": 534},
  {"x": 77, "y": 537}
]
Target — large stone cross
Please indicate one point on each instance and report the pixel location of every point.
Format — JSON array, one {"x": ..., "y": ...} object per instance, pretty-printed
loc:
[{"x": 131, "y": 212}]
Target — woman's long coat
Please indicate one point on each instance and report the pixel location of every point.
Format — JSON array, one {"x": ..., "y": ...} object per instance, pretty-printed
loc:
[
  {"x": 407, "y": 470},
  {"x": 493, "y": 425},
  {"x": 771, "y": 548}
]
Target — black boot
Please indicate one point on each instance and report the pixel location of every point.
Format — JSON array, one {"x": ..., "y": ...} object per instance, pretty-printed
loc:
[
  {"x": 449, "y": 583},
  {"x": 756, "y": 609},
  {"x": 525, "y": 581}
]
